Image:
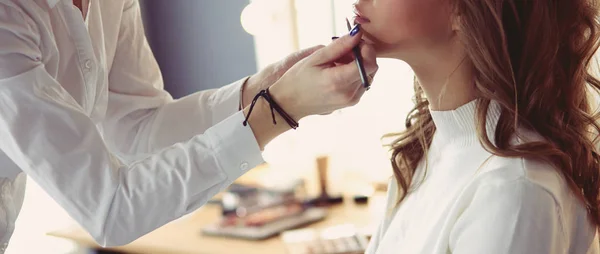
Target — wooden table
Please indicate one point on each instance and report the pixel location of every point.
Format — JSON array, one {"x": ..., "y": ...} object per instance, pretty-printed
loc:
[{"x": 184, "y": 236}]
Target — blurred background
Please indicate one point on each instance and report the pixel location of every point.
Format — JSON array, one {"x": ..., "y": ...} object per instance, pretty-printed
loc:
[{"x": 202, "y": 44}]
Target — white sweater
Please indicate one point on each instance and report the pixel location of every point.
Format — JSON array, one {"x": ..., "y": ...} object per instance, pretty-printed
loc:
[{"x": 466, "y": 204}]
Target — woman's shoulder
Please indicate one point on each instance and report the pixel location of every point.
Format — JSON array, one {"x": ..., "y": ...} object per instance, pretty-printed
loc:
[
  {"x": 536, "y": 186},
  {"x": 531, "y": 182},
  {"x": 538, "y": 173},
  {"x": 535, "y": 173}
]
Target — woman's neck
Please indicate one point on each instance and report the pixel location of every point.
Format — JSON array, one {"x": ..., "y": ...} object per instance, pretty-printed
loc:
[{"x": 446, "y": 76}]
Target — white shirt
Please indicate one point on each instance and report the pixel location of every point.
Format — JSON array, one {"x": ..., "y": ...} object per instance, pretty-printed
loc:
[
  {"x": 471, "y": 202},
  {"x": 83, "y": 113}
]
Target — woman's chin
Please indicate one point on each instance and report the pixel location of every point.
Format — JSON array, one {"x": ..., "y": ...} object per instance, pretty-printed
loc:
[{"x": 377, "y": 45}]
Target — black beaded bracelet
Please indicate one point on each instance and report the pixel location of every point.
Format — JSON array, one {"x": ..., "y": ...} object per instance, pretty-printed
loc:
[{"x": 274, "y": 107}]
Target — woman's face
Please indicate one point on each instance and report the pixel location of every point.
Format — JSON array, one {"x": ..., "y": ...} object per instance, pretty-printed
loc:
[{"x": 396, "y": 27}]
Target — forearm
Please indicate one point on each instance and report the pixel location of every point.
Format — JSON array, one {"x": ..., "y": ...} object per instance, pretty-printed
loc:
[
  {"x": 249, "y": 89},
  {"x": 261, "y": 122},
  {"x": 261, "y": 119},
  {"x": 180, "y": 120},
  {"x": 137, "y": 124},
  {"x": 178, "y": 180}
]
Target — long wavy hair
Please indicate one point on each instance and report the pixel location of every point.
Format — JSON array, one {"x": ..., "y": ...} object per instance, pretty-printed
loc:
[{"x": 534, "y": 58}]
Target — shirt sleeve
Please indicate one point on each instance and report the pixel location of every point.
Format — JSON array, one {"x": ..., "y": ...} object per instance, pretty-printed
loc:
[
  {"x": 514, "y": 217},
  {"x": 46, "y": 133}
]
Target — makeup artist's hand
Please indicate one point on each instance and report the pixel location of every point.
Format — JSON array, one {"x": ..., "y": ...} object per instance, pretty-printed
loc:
[
  {"x": 320, "y": 83},
  {"x": 273, "y": 72},
  {"x": 325, "y": 81}
]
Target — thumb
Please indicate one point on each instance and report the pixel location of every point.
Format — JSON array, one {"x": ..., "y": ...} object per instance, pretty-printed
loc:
[{"x": 337, "y": 49}]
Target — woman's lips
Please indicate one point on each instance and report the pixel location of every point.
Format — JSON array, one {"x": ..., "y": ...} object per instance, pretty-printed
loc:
[
  {"x": 358, "y": 17},
  {"x": 361, "y": 20}
]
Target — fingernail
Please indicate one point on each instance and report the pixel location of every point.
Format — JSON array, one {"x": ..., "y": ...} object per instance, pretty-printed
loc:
[
  {"x": 355, "y": 30},
  {"x": 334, "y": 38}
]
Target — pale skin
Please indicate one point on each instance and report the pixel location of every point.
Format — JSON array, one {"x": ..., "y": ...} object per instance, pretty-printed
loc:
[
  {"x": 425, "y": 34},
  {"x": 314, "y": 81}
]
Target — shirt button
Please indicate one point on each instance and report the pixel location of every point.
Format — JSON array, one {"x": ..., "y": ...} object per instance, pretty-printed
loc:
[
  {"x": 88, "y": 64},
  {"x": 244, "y": 166}
]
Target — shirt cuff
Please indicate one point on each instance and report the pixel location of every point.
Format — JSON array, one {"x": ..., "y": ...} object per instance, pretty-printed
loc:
[
  {"x": 226, "y": 100},
  {"x": 236, "y": 149}
]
